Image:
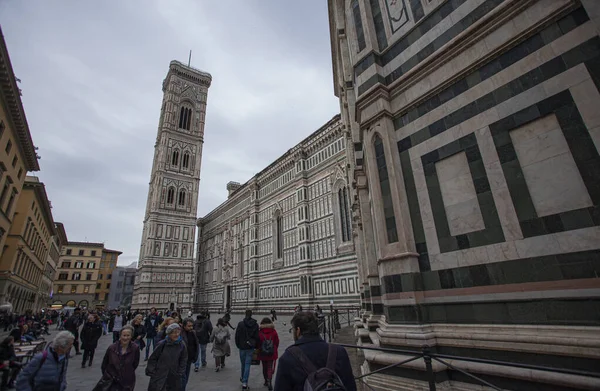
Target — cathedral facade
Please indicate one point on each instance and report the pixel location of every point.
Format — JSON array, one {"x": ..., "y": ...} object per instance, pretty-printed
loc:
[
  {"x": 164, "y": 276},
  {"x": 284, "y": 237}
]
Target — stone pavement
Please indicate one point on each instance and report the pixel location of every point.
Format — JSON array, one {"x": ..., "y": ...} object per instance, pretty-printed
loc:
[{"x": 206, "y": 379}]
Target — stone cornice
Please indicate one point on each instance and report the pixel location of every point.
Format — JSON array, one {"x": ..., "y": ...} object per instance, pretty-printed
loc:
[
  {"x": 189, "y": 73},
  {"x": 11, "y": 99}
]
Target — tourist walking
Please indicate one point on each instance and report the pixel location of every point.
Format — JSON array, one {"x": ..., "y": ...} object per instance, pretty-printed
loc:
[
  {"x": 203, "y": 328},
  {"x": 268, "y": 345},
  {"x": 72, "y": 324},
  {"x": 191, "y": 342},
  {"x": 153, "y": 320},
  {"x": 116, "y": 323},
  {"x": 10, "y": 366},
  {"x": 90, "y": 334},
  {"x": 246, "y": 338},
  {"x": 139, "y": 331},
  {"x": 48, "y": 370},
  {"x": 220, "y": 337},
  {"x": 162, "y": 329},
  {"x": 273, "y": 315},
  {"x": 166, "y": 365},
  {"x": 120, "y": 362},
  {"x": 309, "y": 346}
]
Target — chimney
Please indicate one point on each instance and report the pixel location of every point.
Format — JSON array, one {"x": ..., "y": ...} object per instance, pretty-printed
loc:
[{"x": 232, "y": 187}]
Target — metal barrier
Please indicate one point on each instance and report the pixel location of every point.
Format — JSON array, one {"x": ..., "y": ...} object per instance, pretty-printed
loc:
[{"x": 428, "y": 358}]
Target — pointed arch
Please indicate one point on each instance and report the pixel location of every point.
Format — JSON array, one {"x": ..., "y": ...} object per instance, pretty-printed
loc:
[
  {"x": 175, "y": 158},
  {"x": 278, "y": 234},
  {"x": 170, "y": 195},
  {"x": 181, "y": 197},
  {"x": 185, "y": 117},
  {"x": 185, "y": 161}
]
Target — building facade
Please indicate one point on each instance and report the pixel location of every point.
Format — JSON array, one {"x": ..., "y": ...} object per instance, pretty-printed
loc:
[
  {"x": 108, "y": 264},
  {"x": 77, "y": 275},
  {"x": 164, "y": 278},
  {"x": 52, "y": 260},
  {"x": 17, "y": 152},
  {"x": 474, "y": 127},
  {"x": 27, "y": 248},
  {"x": 285, "y": 237},
  {"x": 121, "y": 289}
]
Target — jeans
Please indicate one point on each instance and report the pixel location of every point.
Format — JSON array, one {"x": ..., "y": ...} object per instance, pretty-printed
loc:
[
  {"x": 202, "y": 356},
  {"x": 246, "y": 360},
  {"x": 116, "y": 335},
  {"x": 150, "y": 341},
  {"x": 186, "y": 376}
]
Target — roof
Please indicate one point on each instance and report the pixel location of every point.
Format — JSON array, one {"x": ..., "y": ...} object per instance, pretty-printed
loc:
[
  {"x": 85, "y": 244},
  {"x": 39, "y": 189},
  {"x": 106, "y": 250},
  {"x": 10, "y": 95},
  {"x": 61, "y": 233}
]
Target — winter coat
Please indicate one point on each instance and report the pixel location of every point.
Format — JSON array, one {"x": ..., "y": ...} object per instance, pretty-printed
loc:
[
  {"x": 139, "y": 331},
  {"x": 291, "y": 376},
  {"x": 72, "y": 324},
  {"x": 191, "y": 342},
  {"x": 246, "y": 334},
  {"x": 166, "y": 365},
  {"x": 121, "y": 367},
  {"x": 7, "y": 353},
  {"x": 152, "y": 330},
  {"x": 90, "y": 334},
  {"x": 51, "y": 375},
  {"x": 266, "y": 332},
  {"x": 203, "y": 330},
  {"x": 224, "y": 349}
]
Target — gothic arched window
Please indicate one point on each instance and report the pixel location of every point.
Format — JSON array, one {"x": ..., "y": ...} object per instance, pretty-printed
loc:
[
  {"x": 278, "y": 235},
  {"x": 181, "y": 198},
  {"x": 345, "y": 222},
  {"x": 185, "y": 162},
  {"x": 185, "y": 118},
  {"x": 175, "y": 158},
  {"x": 170, "y": 195},
  {"x": 386, "y": 194}
]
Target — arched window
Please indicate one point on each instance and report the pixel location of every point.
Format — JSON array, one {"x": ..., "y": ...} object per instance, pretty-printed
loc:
[
  {"x": 345, "y": 222},
  {"x": 170, "y": 195},
  {"x": 175, "y": 158},
  {"x": 386, "y": 194},
  {"x": 181, "y": 200},
  {"x": 278, "y": 235},
  {"x": 185, "y": 118},
  {"x": 185, "y": 162}
]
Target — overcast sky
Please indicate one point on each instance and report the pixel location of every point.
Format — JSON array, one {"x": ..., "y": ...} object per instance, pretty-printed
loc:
[{"x": 91, "y": 74}]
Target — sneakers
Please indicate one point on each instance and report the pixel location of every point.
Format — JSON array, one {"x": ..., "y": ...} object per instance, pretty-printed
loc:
[
  {"x": 245, "y": 387},
  {"x": 217, "y": 369},
  {"x": 195, "y": 369}
]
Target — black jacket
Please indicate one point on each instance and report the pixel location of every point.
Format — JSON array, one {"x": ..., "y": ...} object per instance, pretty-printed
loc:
[
  {"x": 246, "y": 334},
  {"x": 191, "y": 342},
  {"x": 90, "y": 334},
  {"x": 152, "y": 331},
  {"x": 291, "y": 376},
  {"x": 203, "y": 329}
]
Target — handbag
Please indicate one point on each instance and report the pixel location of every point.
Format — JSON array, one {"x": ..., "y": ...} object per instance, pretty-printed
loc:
[
  {"x": 255, "y": 360},
  {"x": 104, "y": 384}
]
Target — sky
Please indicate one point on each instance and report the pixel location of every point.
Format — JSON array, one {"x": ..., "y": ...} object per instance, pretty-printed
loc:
[{"x": 91, "y": 76}]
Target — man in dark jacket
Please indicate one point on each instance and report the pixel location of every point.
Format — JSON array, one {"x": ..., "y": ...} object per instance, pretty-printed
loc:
[
  {"x": 246, "y": 338},
  {"x": 191, "y": 342},
  {"x": 116, "y": 323},
  {"x": 166, "y": 365},
  {"x": 203, "y": 328},
  {"x": 290, "y": 375},
  {"x": 72, "y": 324},
  {"x": 153, "y": 320}
]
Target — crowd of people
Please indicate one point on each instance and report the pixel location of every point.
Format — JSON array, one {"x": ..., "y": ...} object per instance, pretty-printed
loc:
[{"x": 173, "y": 345}]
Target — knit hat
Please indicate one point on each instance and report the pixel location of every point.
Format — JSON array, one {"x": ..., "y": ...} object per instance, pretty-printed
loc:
[{"x": 172, "y": 327}]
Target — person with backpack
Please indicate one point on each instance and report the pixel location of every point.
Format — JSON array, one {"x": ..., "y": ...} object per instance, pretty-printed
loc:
[
  {"x": 311, "y": 363},
  {"x": 246, "y": 338},
  {"x": 220, "y": 337},
  {"x": 203, "y": 328},
  {"x": 166, "y": 365},
  {"x": 268, "y": 345},
  {"x": 48, "y": 370}
]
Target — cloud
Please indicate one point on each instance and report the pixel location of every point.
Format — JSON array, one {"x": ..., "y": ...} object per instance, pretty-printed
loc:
[{"x": 92, "y": 77}]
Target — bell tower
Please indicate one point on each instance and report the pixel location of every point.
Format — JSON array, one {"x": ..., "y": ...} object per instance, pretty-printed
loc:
[{"x": 164, "y": 277}]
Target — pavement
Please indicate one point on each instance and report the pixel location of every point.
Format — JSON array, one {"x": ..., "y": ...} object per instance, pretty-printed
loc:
[{"x": 206, "y": 379}]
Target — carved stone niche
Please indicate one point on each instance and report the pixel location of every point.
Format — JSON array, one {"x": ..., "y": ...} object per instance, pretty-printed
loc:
[{"x": 278, "y": 264}]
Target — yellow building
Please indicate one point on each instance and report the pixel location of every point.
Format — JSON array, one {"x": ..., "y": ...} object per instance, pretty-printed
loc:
[
  {"x": 17, "y": 152},
  {"x": 78, "y": 279},
  {"x": 56, "y": 243},
  {"x": 27, "y": 248},
  {"x": 107, "y": 267}
]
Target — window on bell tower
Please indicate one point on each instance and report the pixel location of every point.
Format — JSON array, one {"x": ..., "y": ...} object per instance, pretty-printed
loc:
[
  {"x": 185, "y": 118},
  {"x": 170, "y": 195},
  {"x": 185, "y": 162},
  {"x": 181, "y": 200},
  {"x": 175, "y": 158}
]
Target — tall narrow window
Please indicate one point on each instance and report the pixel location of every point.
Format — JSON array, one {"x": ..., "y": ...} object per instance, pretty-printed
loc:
[
  {"x": 170, "y": 195},
  {"x": 175, "y": 158},
  {"x": 386, "y": 194},
  {"x": 185, "y": 162},
  {"x": 345, "y": 224},
  {"x": 185, "y": 118},
  {"x": 358, "y": 26},
  {"x": 181, "y": 200},
  {"x": 279, "y": 235}
]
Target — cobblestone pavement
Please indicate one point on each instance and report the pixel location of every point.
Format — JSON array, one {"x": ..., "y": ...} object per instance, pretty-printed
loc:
[{"x": 206, "y": 379}]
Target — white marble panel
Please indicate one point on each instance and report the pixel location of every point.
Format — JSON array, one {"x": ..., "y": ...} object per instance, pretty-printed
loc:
[
  {"x": 465, "y": 217},
  {"x": 457, "y": 190}
]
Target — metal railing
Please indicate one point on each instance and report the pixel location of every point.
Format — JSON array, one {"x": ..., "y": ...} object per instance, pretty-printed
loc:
[
  {"x": 428, "y": 358},
  {"x": 330, "y": 323}
]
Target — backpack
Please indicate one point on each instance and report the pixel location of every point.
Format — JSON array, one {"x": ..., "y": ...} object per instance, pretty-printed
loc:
[
  {"x": 319, "y": 379},
  {"x": 221, "y": 336},
  {"x": 267, "y": 348}
]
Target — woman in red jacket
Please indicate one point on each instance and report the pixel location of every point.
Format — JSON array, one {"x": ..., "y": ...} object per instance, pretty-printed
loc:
[{"x": 268, "y": 344}]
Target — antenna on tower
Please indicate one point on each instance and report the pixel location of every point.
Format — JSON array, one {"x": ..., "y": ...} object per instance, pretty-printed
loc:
[{"x": 190, "y": 58}]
